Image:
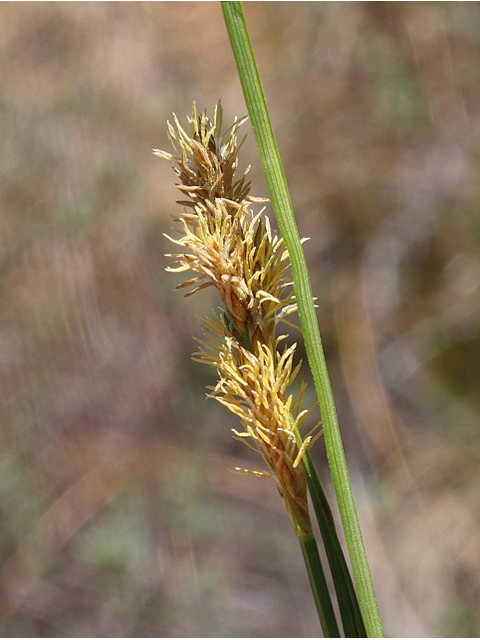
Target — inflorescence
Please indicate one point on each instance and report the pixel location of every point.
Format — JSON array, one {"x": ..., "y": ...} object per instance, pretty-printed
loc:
[{"x": 229, "y": 247}]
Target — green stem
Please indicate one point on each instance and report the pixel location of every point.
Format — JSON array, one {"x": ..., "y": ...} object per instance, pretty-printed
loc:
[
  {"x": 352, "y": 619},
  {"x": 257, "y": 109},
  {"x": 319, "y": 587}
]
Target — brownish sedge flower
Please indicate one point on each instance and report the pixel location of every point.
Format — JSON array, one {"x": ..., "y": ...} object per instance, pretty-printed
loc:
[{"x": 229, "y": 247}]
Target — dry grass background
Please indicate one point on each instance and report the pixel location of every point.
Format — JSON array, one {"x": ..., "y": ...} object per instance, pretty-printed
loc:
[{"x": 119, "y": 516}]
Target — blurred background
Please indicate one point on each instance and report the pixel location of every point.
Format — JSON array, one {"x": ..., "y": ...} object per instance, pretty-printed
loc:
[{"x": 118, "y": 513}]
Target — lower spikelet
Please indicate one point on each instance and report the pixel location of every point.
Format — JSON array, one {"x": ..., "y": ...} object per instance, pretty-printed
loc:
[{"x": 253, "y": 387}]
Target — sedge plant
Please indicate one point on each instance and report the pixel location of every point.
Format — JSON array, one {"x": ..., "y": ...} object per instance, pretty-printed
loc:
[{"x": 223, "y": 242}]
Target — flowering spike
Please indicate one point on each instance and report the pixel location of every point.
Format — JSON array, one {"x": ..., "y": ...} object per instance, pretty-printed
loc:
[{"x": 228, "y": 246}]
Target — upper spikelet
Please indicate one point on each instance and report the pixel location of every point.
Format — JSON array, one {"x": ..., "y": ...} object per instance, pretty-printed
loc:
[
  {"x": 206, "y": 160},
  {"x": 227, "y": 245}
]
